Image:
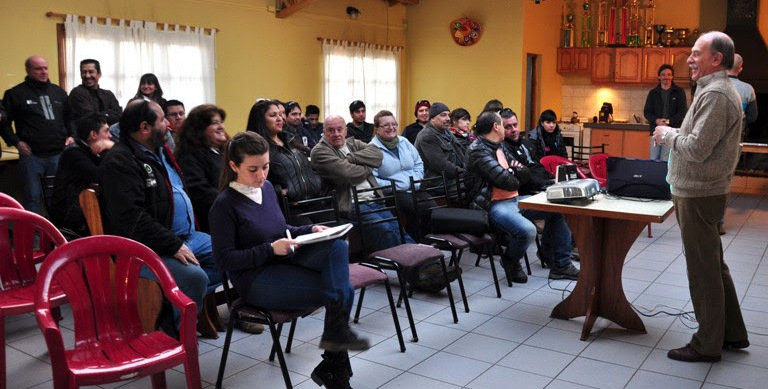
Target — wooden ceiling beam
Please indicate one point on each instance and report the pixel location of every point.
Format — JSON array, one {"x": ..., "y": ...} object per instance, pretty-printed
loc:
[
  {"x": 290, "y": 7},
  {"x": 403, "y": 2}
]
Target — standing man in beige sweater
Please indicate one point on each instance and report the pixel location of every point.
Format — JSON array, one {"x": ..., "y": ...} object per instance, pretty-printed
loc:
[{"x": 704, "y": 152}]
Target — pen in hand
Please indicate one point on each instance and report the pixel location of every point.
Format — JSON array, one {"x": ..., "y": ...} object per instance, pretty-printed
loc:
[{"x": 288, "y": 235}]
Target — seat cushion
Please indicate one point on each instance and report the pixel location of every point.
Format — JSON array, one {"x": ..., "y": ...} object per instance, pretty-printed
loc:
[
  {"x": 475, "y": 240},
  {"x": 361, "y": 276},
  {"x": 257, "y": 314},
  {"x": 447, "y": 241},
  {"x": 408, "y": 254}
]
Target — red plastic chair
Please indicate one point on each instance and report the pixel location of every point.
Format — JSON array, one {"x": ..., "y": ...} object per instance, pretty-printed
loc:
[
  {"x": 9, "y": 202},
  {"x": 551, "y": 162},
  {"x": 18, "y": 257},
  {"x": 110, "y": 344},
  {"x": 598, "y": 168}
]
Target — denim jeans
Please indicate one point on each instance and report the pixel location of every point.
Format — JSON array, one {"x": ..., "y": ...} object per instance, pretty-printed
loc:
[
  {"x": 31, "y": 167},
  {"x": 194, "y": 281},
  {"x": 520, "y": 230},
  {"x": 314, "y": 276},
  {"x": 659, "y": 152},
  {"x": 383, "y": 235}
]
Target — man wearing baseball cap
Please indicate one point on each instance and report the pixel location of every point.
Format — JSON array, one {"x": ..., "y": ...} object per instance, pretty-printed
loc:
[
  {"x": 358, "y": 128},
  {"x": 438, "y": 147},
  {"x": 421, "y": 111}
]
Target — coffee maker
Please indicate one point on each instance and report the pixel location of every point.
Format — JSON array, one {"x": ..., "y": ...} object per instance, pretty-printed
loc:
[{"x": 606, "y": 113}]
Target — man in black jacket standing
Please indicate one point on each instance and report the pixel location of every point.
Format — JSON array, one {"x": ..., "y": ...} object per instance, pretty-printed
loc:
[
  {"x": 89, "y": 98},
  {"x": 494, "y": 180},
  {"x": 41, "y": 113},
  {"x": 145, "y": 200},
  {"x": 666, "y": 105}
]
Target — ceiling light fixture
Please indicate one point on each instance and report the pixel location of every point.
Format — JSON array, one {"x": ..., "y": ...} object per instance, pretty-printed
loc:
[{"x": 353, "y": 12}]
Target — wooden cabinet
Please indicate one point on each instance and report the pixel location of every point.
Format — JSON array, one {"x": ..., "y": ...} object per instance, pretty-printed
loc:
[
  {"x": 627, "y": 66},
  {"x": 678, "y": 57},
  {"x": 573, "y": 60},
  {"x": 602, "y": 65},
  {"x": 630, "y": 65},
  {"x": 654, "y": 57},
  {"x": 637, "y": 144},
  {"x": 623, "y": 143},
  {"x": 613, "y": 140}
]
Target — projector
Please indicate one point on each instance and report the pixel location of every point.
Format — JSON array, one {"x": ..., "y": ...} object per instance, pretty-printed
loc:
[{"x": 573, "y": 190}]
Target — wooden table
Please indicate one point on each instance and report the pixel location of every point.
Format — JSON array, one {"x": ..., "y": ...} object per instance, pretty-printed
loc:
[{"x": 604, "y": 230}]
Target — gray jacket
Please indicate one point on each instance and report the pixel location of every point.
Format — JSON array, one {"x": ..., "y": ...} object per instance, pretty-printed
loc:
[
  {"x": 343, "y": 172},
  {"x": 705, "y": 150}
]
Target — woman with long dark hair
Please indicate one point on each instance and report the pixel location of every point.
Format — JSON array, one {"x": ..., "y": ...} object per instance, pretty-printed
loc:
[
  {"x": 254, "y": 245},
  {"x": 199, "y": 146},
  {"x": 149, "y": 89},
  {"x": 290, "y": 171}
]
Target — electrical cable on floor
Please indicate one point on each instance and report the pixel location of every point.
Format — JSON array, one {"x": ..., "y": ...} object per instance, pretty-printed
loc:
[
  {"x": 563, "y": 290},
  {"x": 684, "y": 316}
]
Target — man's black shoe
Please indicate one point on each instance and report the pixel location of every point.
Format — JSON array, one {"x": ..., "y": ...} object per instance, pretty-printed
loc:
[{"x": 689, "y": 354}]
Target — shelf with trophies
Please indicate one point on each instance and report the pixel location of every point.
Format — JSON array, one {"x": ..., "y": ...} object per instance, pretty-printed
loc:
[{"x": 624, "y": 45}]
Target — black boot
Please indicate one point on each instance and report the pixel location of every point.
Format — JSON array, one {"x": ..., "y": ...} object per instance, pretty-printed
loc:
[
  {"x": 333, "y": 372},
  {"x": 337, "y": 336},
  {"x": 514, "y": 271}
]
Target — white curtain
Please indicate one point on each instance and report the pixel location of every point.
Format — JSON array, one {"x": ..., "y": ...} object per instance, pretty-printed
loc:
[
  {"x": 360, "y": 71},
  {"x": 183, "y": 59}
]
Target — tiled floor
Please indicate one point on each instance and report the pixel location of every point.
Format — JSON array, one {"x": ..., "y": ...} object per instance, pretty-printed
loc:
[{"x": 507, "y": 342}]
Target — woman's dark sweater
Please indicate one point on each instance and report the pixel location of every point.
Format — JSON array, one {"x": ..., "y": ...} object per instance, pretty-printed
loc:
[{"x": 242, "y": 232}]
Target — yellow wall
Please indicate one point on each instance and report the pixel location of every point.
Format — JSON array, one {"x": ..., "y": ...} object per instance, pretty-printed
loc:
[
  {"x": 258, "y": 55},
  {"x": 542, "y": 37},
  {"x": 440, "y": 70}
]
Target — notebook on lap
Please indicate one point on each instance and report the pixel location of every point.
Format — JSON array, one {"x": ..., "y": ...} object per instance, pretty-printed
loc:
[{"x": 643, "y": 178}]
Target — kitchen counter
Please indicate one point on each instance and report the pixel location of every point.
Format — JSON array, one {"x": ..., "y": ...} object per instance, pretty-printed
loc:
[{"x": 618, "y": 126}]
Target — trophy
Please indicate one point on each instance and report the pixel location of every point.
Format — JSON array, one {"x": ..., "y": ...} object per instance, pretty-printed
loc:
[
  {"x": 586, "y": 25},
  {"x": 659, "y": 28}
]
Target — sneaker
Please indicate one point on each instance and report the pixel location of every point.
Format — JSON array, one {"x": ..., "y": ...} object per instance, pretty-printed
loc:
[{"x": 567, "y": 272}]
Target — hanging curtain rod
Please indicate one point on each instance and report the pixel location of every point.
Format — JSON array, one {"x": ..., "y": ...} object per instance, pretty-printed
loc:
[
  {"x": 62, "y": 16},
  {"x": 320, "y": 39}
]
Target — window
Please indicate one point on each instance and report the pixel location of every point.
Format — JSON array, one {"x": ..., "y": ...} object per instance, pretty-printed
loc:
[
  {"x": 360, "y": 71},
  {"x": 182, "y": 58}
]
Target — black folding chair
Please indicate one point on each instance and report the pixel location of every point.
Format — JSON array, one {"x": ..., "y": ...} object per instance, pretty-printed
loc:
[{"x": 402, "y": 257}]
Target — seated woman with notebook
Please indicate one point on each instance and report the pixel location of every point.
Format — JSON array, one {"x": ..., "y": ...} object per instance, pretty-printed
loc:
[{"x": 253, "y": 243}]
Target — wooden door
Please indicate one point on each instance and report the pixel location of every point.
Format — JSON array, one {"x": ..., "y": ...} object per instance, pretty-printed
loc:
[
  {"x": 613, "y": 140},
  {"x": 602, "y": 65},
  {"x": 582, "y": 59},
  {"x": 653, "y": 58},
  {"x": 628, "y": 65},
  {"x": 679, "y": 59},
  {"x": 565, "y": 60},
  {"x": 637, "y": 144}
]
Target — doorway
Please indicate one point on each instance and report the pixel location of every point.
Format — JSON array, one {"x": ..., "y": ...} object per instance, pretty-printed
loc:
[{"x": 531, "y": 90}]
